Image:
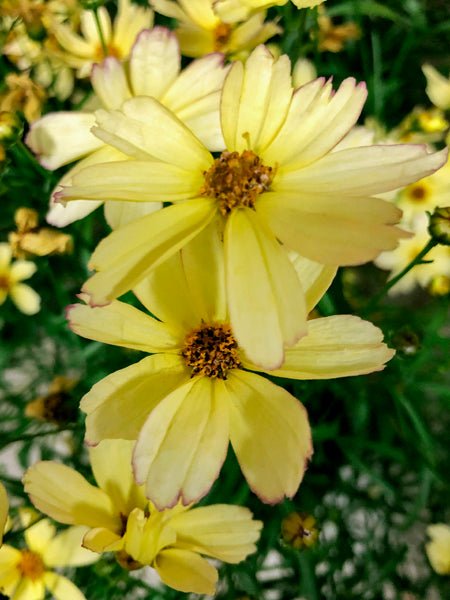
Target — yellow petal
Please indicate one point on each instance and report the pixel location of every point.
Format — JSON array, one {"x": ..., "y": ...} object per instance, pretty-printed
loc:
[
  {"x": 9, "y": 574},
  {"x": 61, "y": 587},
  {"x": 27, "y": 589},
  {"x": 111, "y": 466},
  {"x": 438, "y": 87},
  {"x": 4, "y": 507},
  {"x": 65, "y": 549},
  {"x": 147, "y": 535},
  {"x": 118, "y": 214},
  {"x": 110, "y": 83},
  {"x": 270, "y": 434},
  {"x": 128, "y": 255},
  {"x": 22, "y": 269},
  {"x": 438, "y": 550},
  {"x": 186, "y": 571},
  {"x": 265, "y": 299},
  {"x": 121, "y": 325},
  {"x": 101, "y": 540},
  {"x": 130, "y": 20},
  {"x": 225, "y": 532},
  {"x": 25, "y": 298},
  {"x": 186, "y": 435},
  {"x": 38, "y": 535},
  {"x": 67, "y": 497},
  {"x": 118, "y": 405},
  {"x": 314, "y": 277},
  {"x": 337, "y": 346}
]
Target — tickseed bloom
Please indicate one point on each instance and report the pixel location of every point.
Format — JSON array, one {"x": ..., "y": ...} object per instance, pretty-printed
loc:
[
  {"x": 154, "y": 70},
  {"x": 438, "y": 87},
  {"x": 332, "y": 37},
  {"x": 196, "y": 393},
  {"x": 82, "y": 51},
  {"x": 299, "y": 530},
  {"x": 277, "y": 181},
  {"x": 234, "y": 10},
  {"x": 123, "y": 521},
  {"x": 11, "y": 277},
  {"x": 438, "y": 549},
  {"x": 200, "y": 30},
  {"x": 55, "y": 407},
  {"x": 27, "y": 573},
  {"x": 24, "y": 95}
]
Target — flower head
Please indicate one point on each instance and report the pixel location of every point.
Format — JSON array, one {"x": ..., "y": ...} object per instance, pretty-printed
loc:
[
  {"x": 121, "y": 520},
  {"x": 11, "y": 277},
  {"x": 282, "y": 179},
  {"x": 299, "y": 530},
  {"x": 438, "y": 549},
  {"x": 196, "y": 393},
  {"x": 28, "y": 573}
]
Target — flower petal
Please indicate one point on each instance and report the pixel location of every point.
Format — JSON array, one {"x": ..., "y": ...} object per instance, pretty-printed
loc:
[
  {"x": 270, "y": 434},
  {"x": 225, "y": 532},
  {"x": 38, "y": 535},
  {"x": 314, "y": 277},
  {"x": 265, "y": 299},
  {"x": 118, "y": 214},
  {"x": 128, "y": 255},
  {"x": 186, "y": 571},
  {"x": 110, "y": 83},
  {"x": 100, "y": 539},
  {"x": 121, "y": 325},
  {"x": 22, "y": 269},
  {"x": 186, "y": 435},
  {"x": 4, "y": 507},
  {"x": 66, "y": 550},
  {"x": 25, "y": 298},
  {"x": 118, "y": 405},
  {"x": 66, "y": 496},
  {"x": 61, "y": 587}
]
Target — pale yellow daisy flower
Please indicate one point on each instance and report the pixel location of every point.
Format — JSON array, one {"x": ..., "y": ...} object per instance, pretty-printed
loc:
[
  {"x": 82, "y": 51},
  {"x": 28, "y": 574},
  {"x": 237, "y": 10},
  {"x": 438, "y": 549},
  {"x": 200, "y": 30},
  {"x": 11, "y": 277},
  {"x": 121, "y": 520},
  {"x": 193, "y": 94},
  {"x": 195, "y": 394},
  {"x": 278, "y": 181},
  {"x": 438, "y": 87}
]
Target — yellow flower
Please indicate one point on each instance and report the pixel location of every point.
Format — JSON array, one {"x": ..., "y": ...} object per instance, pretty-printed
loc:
[
  {"x": 31, "y": 239},
  {"x": 200, "y": 30},
  {"x": 332, "y": 37},
  {"x": 55, "y": 407},
  {"x": 237, "y": 10},
  {"x": 438, "y": 550},
  {"x": 27, "y": 573},
  {"x": 438, "y": 87},
  {"x": 82, "y": 51},
  {"x": 4, "y": 506},
  {"x": 299, "y": 530},
  {"x": 24, "y": 95},
  {"x": 11, "y": 277},
  {"x": 154, "y": 70},
  {"x": 278, "y": 181},
  {"x": 121, "y": 520},
  {"x": 196, "y": 393}
]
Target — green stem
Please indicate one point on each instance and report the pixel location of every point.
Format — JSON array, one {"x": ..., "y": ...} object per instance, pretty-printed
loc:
[
  {"x": 100, "y": 33},
  {"x": 417, "y": 260},
  {"x": 307, "y": 577}
]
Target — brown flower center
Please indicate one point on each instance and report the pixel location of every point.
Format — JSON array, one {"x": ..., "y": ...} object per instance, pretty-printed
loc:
[
  {"x": 221, "y": 35},
  {"x": 4, "y": 282},
  {"x": 236, "y": 180},
  {"x": 418, "y": 193},
  {"x": 211, "y": 350},
  {"x": 31, "y": 565}
]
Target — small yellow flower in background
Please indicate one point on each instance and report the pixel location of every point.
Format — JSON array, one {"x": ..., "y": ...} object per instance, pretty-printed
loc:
[
  {"x": 4, "y": 507},
  {"x": 278, "y": 180},
  {"x": 231, "y": 11},
  {"x": 438, "y": 87},
  {"x": 11, "y": 277},
  {"x": 31, "y": 239},
  {"x": 22, "y": 94},
  {"x": 332, "y": 37},
  {"x": 28, "y": 573},
  {"x": 195, "y": 394},
  {"x": 299, "y": 530},
  {"x": 421, "y": 126},
  {"x": 200, "y": 31},
  {"x": 154, "y": 70},
  {"x": 438, "y": 549},
  {"x": 121, "y": 520},
  {"x": 54, "y": 407},
  {"x": 82, "y": 51}
]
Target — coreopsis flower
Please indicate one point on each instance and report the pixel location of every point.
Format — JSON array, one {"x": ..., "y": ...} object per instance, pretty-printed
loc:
[
  {"x": 55, "y": 406},
  {"x": 82, "y": 51},
  {"x": 122, "y": 520},
  {"x": 154, "y": 70},
  {"x": 11, "y": 278},
  {"x": 299, "y": 530},
  {"x": 332, "y": 37},
  {"x": 31, "y": 239},
  {"x": 4, "y": 507},
  {"x": 200, "y": 31},
  {"x": 277, "y": 181},
  {"x": 238, "y": 10},
  {"x": 426, "y": 274},
  {"x": 24, "y": 95},
  {"x": 28, "y": 573},
  {"x": 438, "y": 87},
  {"x": 196, "y": 393},
  {"x": 438, "y": 549}
]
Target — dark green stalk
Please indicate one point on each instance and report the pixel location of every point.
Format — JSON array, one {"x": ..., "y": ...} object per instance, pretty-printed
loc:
[{"x": 100, "y": 33}]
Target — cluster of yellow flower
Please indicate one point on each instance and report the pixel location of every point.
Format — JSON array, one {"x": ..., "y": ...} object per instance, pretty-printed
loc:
[{"x": 233, "y": 197}]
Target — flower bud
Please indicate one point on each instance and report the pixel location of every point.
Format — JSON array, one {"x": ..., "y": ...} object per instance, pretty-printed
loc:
[
  {"x": 298, "y": 530},
  {"x": 439, "y": 227}
]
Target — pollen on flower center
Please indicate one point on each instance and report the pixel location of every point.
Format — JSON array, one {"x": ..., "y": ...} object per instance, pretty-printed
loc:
[
  {"x": 211, "y": 350},
  {"x": 221, "y": 35},
  {"x": 236, "y": 180},
  {"x": 31, "y": 565}
]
